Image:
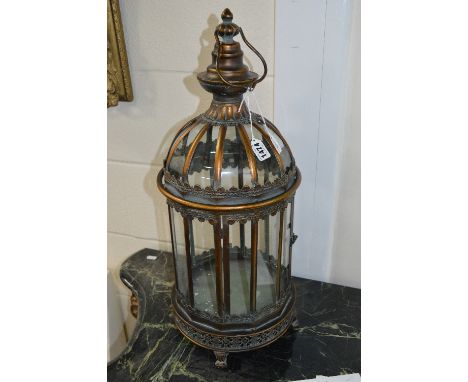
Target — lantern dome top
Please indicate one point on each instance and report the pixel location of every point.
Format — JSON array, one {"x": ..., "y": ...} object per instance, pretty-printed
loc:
[
  {"x": 227, "y": 155},
  {"x": 227, "y": 75},
  {"x": 212, "y": 157}
]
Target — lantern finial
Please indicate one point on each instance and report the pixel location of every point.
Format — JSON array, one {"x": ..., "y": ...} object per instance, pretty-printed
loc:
[
  {"x": 227, "y": 76},
  {"x": 227, "y": 16}
]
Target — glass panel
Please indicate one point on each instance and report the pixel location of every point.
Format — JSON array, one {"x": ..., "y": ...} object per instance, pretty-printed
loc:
[
  {"x": 178, "y": 159},
  {"x": 286, "y": 242},
  {"x": 180, "y": 265},
  {"x": 269, "y": 169},
  {"x": 239, "y": 253},
  {"x": 204, "y": 271},
  {"x": 236, "y": 171},
  {"x": 266, "y": 260},
  {"x": 230, "y": 174},
  {"x": 284, "y": 153},
  {"x": 201, "y": 168}
]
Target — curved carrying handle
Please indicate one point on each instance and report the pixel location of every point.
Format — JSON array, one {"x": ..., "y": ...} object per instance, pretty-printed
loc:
[{"x": 254, "y": 82}]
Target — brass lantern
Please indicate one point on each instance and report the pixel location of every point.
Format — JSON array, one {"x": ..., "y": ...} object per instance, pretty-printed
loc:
[{"x": 230, "y": 179}]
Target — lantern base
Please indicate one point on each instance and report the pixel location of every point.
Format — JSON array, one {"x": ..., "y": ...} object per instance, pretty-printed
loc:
[
  {"x": 221, "y": 359},
  {"x": 223, "y": 344},
  {"x": 295, "y": 323}
]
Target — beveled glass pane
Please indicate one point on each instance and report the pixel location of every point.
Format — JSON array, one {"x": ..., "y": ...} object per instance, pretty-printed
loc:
[
  {"x": 177, "y": 228},
  {"x": 232, "y": 171},
  {"x": 204, "y": 271},
  {"x": 202, "y": 164},
  {"x": 239, "y": 237},
  {"x": 236, "y": 171},
  {"x": 177, "y": 162},
  {"x": 266, "y": 267},
  {"x": 268, "y": 169},
  {"x": 284, "y": 153}
]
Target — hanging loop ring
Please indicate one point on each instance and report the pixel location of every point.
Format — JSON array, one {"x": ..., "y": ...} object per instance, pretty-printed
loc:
[{"x": 252, "y": 84}]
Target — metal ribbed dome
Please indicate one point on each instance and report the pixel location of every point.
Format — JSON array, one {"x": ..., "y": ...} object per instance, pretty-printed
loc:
[{"x": 211, "y": 157}]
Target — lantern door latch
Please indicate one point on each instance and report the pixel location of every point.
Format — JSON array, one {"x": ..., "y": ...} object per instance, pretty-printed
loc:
[{"x": 293, "y": 239}]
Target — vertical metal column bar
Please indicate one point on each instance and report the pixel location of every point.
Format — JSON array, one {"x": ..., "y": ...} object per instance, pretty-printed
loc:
[
  {"x": 189, "y": 259},
  {"x": 226, "y": 274},
  {"x": 184, "y": 144},
  {"x": 267, "y": 218},
  {"x": 267, "y": 138},
  {"x": 280, "y": 253},
  {"x": 207, "y": 161},
  {"x": 218, "y": 267},
  {"x": 206, "y": 153},
  {"x": 253, "y": 266},
  {"x": 242, "y": 240},
  {"x": 183, "y": 135},
  {"x": 191, "y": 151},
  {"x": 240, "y": 169},
  {"x": 250, "y": 154},
  {"x": 291, "y": 233},
  {"x": 171, "y": 224},
  {"x": 219, "y": 154},
  {"x": 192, "y": 243}
]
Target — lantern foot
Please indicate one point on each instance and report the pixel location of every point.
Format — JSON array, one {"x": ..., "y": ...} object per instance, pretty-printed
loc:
[
  {"x": 295, "y": 323},
  {"x": 221, "y": 359}
]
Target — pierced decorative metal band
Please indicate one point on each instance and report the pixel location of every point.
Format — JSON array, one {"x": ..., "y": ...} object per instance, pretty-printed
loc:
[
  {"x": 232, "y": 122},
  {"x": 241, "y": 216},
  {"x": 243, "y": 119},
  {"x": 234, "y": 343},
  {"x": 221, "y": 193},
  {"x": 201, "y": 215}
]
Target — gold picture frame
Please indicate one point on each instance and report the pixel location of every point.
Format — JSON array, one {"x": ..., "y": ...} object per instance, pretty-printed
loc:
[{"x": 119, "y": 85}]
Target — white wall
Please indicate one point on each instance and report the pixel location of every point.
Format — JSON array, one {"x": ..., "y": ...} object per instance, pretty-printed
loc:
[
  {"x": 315, "y": 91},
  {"x": 169, "y": 41},
  {"x": 346, "y": 256}
]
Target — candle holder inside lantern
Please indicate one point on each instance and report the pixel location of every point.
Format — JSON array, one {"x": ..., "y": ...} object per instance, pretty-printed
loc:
[{"x": 230, "y": 179}]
